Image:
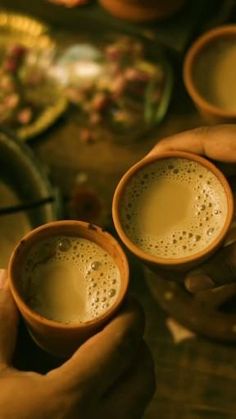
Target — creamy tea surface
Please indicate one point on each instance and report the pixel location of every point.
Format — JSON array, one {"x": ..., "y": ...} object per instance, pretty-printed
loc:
[
  {"x": 70, "y": 279},
  {"x": 173, "y": 208},
  {"x": 215, "y": 76}
]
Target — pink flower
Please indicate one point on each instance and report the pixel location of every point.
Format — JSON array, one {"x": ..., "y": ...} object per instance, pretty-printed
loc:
[{"x": 25, "y": 116}]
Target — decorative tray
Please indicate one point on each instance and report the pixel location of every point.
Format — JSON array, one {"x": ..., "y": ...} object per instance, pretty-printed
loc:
[
  {"x": 119, "y": 84},
  {"x": 30, "y": 99}
]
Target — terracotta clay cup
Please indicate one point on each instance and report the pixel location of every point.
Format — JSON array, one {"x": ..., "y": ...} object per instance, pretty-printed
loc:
[
  {"x": 142, "y": 10},
  {"x": 154, "y": 261},
  {"x": 209, "y": 76},
  {"x": 61, "y": 339}
]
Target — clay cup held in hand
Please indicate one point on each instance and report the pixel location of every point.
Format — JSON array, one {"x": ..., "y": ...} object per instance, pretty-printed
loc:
[
  {"x": 173, "y": 209},
  {"x": 68, "y": 278}
]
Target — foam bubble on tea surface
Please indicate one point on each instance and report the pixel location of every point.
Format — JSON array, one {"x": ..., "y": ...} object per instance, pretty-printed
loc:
[
  {"x": 173, "y": 208},
  {"x": 70, "y": 279}
]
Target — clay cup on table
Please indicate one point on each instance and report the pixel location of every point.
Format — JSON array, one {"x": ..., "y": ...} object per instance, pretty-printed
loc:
[
  {"x": 209, "y": 75},
  {"x": 68, "y": 279},
  {"x": 173, "y": 210},
  {"x": 142, "y": 10}
]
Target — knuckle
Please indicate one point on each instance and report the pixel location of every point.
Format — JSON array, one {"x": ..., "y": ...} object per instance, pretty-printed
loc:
[
  {"x": 129, "y": 335},
  {"x": 64, "y": 400},
  {"x": 126, "y": 343},
  {"x": 202, "y": 131},
  {"x": 137, "y": 316}
]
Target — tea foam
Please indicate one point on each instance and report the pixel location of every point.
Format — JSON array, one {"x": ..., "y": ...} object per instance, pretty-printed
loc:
[
  {"x": 70, "y": 279},
  {"x": 173, "y": 208}
]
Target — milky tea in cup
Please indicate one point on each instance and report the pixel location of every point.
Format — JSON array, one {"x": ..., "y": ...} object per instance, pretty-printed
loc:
[
  {"x": 172, "y": 209},
  {"x": 67, "y": 278},
  {"x": 70, "y": 279}
]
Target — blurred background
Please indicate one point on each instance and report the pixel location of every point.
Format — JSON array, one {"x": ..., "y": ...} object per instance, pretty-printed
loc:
[{"x": 86, "y": 89}]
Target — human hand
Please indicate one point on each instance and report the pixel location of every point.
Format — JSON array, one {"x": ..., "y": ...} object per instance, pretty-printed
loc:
[
  {"x": 110, "y": 375},
  {"x": 217, "y": 143}
]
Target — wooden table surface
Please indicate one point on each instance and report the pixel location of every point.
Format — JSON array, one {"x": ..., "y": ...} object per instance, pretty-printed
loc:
[{"x": 196, "y": 377}]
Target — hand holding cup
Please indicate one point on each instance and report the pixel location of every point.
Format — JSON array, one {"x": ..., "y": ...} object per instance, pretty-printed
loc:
[
  {"x": 176, "y": 190},
  {"x": 217, "y": 144}
]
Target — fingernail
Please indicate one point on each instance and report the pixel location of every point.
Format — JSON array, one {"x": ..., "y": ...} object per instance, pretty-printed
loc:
[
  {"x": 2, "y": 278},
  {"x": 198, "y": 282}
]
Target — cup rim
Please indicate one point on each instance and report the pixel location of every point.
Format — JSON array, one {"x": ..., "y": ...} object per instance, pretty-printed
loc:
[
  {"x": 146, "y": 257},
  {"x": 136, "y": 12},
  {"x": 40, "y": 319},
  {"x": 220, "y": 32}
]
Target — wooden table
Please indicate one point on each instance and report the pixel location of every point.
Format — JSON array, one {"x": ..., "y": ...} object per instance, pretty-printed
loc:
[{"x": 196, "y": 377}]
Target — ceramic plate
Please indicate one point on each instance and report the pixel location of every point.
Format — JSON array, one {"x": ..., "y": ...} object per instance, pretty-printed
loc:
[
  {"x": 120, "y": 84},
  {"x": 27, "y": 198}
]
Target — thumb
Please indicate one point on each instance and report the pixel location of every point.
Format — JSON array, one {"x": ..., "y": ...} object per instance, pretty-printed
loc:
[
  {"x": 105, "y": 356},
  {"x": 8, "y": 322},
  {"x": 220, "y": 269}
]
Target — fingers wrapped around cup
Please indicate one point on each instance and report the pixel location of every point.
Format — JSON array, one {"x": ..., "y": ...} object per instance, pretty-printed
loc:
[{"x": 68, "y": 278}]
